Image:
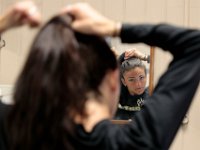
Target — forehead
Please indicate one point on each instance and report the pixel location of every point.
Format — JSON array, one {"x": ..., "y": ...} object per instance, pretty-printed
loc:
[{"x": 135, "y": 72}]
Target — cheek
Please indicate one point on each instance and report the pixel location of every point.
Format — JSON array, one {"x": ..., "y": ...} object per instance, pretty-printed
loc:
[
  {"x": 131, "y": 86},
  {"x": 115, "y": 99},
  {"x": 114, "y": 94},
  {"x": 114, "y": 105},
  {"x": 144, "y": 82},
  {"x": 117, "y": 94}
]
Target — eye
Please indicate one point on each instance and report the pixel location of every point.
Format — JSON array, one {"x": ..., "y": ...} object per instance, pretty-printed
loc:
[
  {"x": 131, "y": 80},
  {"x": 141, "y": 78}
]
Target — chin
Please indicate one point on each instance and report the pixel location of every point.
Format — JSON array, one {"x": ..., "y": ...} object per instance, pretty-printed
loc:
[{"x": 139, "y": 92}]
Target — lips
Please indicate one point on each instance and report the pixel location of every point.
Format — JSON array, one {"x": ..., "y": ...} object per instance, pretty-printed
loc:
[{"x": 140, "y": 89}]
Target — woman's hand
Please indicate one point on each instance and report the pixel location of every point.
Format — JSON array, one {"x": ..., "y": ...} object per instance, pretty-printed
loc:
[
  {"x": 134, "y": 53},
  {"x": 87, "y": 20},
  {"x": 21, "y": 13}
]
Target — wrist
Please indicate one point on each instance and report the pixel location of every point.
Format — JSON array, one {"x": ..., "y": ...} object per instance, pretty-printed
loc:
[
  {"x": 145, "y": 57},
  {"x": 115, "y": 29},
  {"x": 2, "y": 24}
]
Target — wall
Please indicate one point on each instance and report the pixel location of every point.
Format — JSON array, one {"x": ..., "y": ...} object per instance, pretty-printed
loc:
[{"x": 178, "y": 12}]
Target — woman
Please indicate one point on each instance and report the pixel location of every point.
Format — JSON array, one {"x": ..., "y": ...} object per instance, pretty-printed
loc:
[
  {"x": 69, "y": 100},
  {"x": 60, "y": 91}
]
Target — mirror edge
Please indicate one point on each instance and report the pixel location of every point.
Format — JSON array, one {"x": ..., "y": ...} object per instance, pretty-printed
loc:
[{"x": 151, "y": 70}]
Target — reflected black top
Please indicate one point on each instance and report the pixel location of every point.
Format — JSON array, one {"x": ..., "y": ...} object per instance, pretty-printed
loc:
[{"x": 130, "y": 104}]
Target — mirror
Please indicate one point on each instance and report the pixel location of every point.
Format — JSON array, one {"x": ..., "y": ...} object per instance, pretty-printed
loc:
[{"x": 132, "y": 103}]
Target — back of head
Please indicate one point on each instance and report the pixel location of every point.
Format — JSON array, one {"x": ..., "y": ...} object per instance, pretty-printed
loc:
[{"x": 61, "y": 68}]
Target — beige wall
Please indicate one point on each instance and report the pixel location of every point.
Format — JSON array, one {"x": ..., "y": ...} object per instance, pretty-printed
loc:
[{"x": 179, "y": 12}]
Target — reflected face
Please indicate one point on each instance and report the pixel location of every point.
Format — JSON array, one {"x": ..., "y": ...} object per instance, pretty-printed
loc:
[{"x": 135, "y": 80}]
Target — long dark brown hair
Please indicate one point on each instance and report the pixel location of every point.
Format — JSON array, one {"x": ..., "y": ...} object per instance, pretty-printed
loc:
[{"x": 61, "y": 68}]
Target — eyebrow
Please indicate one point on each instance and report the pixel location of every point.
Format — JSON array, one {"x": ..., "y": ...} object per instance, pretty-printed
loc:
[
  {"x": 136, "y": 77},
  {"x": 131, "y": 77}
]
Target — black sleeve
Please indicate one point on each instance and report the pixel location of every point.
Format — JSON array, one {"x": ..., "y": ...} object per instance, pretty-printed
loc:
[
  {"x": 156, "y": 125},
  {"x": 178, "y": 41}
]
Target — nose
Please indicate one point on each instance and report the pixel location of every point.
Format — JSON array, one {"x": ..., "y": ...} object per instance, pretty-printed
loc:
[{"x": 138, "y": 83}]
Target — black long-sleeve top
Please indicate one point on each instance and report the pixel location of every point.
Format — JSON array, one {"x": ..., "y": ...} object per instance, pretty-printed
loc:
[{"x": 155, "y": 126}]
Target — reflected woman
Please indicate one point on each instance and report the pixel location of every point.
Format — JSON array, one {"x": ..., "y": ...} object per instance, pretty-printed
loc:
[{"x": 133, "y": 88}]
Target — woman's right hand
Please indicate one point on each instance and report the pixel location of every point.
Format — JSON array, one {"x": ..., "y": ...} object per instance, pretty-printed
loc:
[
  {"x": 89, "y": 21},
  {"x": 21, "y": 13}
]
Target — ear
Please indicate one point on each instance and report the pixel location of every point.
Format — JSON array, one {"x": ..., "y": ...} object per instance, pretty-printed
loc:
[{"x": 123, "y": 81}]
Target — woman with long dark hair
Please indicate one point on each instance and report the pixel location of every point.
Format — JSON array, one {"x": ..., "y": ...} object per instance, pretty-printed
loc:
[{"x": 66, "y": 75}]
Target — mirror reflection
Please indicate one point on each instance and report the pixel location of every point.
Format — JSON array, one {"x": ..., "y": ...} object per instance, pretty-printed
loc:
[{"x": 134, "y": 75}]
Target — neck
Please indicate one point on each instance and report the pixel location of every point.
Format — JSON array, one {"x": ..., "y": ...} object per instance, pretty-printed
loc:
[{"x": 95, "y": 112}]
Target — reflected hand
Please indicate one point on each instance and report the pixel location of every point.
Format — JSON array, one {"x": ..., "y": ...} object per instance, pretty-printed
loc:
[
  {"x": 134, "y": 53},
  {"x": 87, "y": 20},
  {"x": 21, "y": 13}
]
